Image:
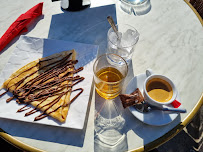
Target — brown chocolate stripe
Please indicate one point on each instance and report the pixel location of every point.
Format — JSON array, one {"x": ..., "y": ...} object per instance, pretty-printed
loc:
[
  {"x": 3, "y": 93},
  {"x": 53, "y": 102},
  {"x": 43, "y": 115},
  {"x": 42, "y": 74},
  {"x": 47, "y": 84}
]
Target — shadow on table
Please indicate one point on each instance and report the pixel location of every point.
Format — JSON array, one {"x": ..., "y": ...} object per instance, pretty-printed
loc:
[
  {"x": 189, "y": 139},
  {"x": 74, "y": 26},
  {"x": 82, "y": 27},
  {"x": 88, "y": 26},
  {"x": 55, "y": 134},
  {"x": 62, "y": 135},
  {"x": 147, "y": 132},
  {"x": 47, "y": 133},
  {"x": 109, "y": 133},
  {"x": 110, "y": 126}
]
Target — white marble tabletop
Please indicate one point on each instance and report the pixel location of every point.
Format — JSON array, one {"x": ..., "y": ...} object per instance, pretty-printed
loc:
[{"x": 171, "y": 43}]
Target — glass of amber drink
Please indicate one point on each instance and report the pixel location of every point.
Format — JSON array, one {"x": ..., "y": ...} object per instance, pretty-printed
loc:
[{"x": 110, "y": 71}]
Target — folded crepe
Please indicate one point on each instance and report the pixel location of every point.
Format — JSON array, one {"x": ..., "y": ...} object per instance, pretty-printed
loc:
[{"x": 46, "y": 84}]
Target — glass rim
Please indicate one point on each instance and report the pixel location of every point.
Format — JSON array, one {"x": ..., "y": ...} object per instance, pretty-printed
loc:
[
  {"x": 117, "y": 28},
  {"x": 117, "y": 69},
  {"x": 134, "y": 2}
]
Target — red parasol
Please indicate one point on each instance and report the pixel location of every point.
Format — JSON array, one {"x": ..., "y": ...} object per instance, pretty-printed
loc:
[{"x": 20, "y": 24}]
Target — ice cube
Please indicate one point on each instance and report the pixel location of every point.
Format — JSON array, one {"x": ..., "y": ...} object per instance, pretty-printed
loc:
[
  {"x": 119, "y": 35},
  {"x": 129, "y": 38},
  {"x": 114, "y": 38}
]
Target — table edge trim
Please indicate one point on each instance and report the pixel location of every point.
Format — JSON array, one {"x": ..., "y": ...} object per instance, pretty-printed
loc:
[
  {"x": 195, "y": 11},
  {"x": 173, "y": 132},
  {"x": 17, "y": 143}
]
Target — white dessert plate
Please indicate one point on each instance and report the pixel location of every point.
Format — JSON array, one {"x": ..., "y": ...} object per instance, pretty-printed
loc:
[{"x": 153, "y": 117}]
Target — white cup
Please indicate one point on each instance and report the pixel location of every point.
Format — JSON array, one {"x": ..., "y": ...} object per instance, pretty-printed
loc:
[{"x": 151, "y": 101}]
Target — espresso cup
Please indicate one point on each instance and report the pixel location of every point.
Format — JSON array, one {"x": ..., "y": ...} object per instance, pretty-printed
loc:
[{"x": 158, "y": 89}]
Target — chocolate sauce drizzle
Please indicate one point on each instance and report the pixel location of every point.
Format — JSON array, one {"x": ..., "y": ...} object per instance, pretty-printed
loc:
[{"x": 53, "y": 79}]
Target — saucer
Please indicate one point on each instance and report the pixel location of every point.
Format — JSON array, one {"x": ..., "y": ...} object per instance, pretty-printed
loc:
[{"x": 153, "y": 117}]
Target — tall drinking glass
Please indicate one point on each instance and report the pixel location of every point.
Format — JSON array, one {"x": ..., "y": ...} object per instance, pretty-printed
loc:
[
  {"x": 123, "y": 45},
  {"x": 137, "y": 7},
  {"x": 110, "y": 71}
]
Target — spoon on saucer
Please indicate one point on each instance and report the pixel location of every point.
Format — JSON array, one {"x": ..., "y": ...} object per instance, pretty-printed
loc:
[{"x": 145, "y": 107}]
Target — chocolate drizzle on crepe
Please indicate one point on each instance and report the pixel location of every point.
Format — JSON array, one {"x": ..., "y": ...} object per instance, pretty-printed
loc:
[{"x": 48, "y": 83}]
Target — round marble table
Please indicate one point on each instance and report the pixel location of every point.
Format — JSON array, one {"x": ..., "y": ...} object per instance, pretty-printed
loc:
[{"x": 171, "y": 43}]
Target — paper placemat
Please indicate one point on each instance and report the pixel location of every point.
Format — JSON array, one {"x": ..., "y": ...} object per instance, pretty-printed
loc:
[{"x": 29, "y": 49}]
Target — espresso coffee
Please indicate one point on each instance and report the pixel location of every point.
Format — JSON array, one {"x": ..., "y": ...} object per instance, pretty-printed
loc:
[{"x": 159, "y": 90}]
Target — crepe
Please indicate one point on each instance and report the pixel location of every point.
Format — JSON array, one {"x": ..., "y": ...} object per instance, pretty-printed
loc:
[{"x": 46, "y": 84}]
